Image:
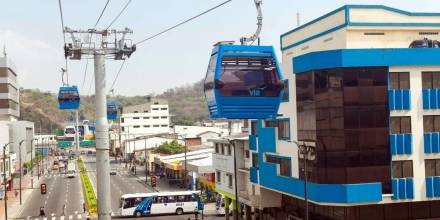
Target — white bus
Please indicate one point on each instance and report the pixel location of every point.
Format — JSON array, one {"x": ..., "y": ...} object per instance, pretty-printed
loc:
[{"x": 143, "y": 204}]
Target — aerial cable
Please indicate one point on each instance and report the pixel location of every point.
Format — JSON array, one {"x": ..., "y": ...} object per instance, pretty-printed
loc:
[
  {"x": 116, "y": 77},
  {"x": 64, "y": 38},
  {"x": 183, "y": 22},
  {"x": 90, "y": 40},
  {"x": 116, "y": 18}
]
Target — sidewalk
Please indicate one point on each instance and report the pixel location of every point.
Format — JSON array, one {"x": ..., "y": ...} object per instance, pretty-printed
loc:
[{"x": 14, "y": 200}]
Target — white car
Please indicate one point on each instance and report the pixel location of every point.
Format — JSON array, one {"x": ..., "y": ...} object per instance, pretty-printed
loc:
[{"x": 71, "y": 174}]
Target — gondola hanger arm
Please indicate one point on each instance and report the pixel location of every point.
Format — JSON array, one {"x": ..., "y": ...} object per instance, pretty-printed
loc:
[{"x": 256, "y": 35}]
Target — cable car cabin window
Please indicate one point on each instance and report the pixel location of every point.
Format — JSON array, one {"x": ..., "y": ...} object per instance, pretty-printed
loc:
[
  {"x": 209, "y": 79},
  {"x": 68, "y": 95},
  {"x": 249, "y": 77}
]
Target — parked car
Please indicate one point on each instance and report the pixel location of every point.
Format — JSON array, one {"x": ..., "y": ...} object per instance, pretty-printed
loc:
[{"x": 425, "y": 43}]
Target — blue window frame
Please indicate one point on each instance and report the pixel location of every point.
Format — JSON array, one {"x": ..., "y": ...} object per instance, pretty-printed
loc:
[
  {"x": 282, "y": 125},
  {"x": 284, "y": 162}
]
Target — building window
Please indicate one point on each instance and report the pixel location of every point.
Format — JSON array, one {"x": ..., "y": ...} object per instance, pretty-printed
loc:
[
  {"x": 135, "y": 117},
  {"x": 155, "y": 109},
  {"x": 156, "y": 117},
  {"x": 254, "y": 128},
  {"x": 156, "y": 126},
  {"x": 229, "y": 180},
  {"x": 136, "y": 112},
  {"x": 402, "y": 169},
  {"x": 122, "y": 120},
  {"x": 432, "y": 167},
  {"x": 146, "y": 111},
  {"x": 217, "y": 150},
  {"x": 286, "y": 91},
  {"x": 146, "y": 126},
  {"x": 255, "y": 160},
  {"x": 164, "y": 117},
  {"x": 246, "y": 153},
  {"x": 283, "y": 128},
  {"x": 163, "y": 126},
  {"x": 123, "y": 128},
  {"x": 218, "y": 176},
  {"x": 431, "y": 123},
  {"x": 399, "y": 80},
  {"x": 146, "y": 117},
  {"x": 136, "y": 126},
  {"x": 285, "y": 166},
  {"x": 164, "y": 109},
  {"x": 430, "y": 80},
  {"x": 222, "y": 148},
  {"x": 228, "y": 147},
  {"x": 400, "y": 125}
]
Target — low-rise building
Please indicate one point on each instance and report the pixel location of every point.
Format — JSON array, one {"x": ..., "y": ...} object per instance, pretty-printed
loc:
[{"x": 9, "y": 93}]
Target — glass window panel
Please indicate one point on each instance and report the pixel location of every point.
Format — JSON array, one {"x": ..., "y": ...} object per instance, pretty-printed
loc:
[
  {"x": 437, "y": 167},
  {"x": 397, "y": 169},
  {"x": 394, "y": 80},
  {"x": 366, "y": 117},
  {"x": 404, "y": 80},
  {"x": 428, "y": 123},
  {"x": 351, "y": 119},
  {"x": 437, "y": 123},
  {"x": 436, "y": 79},
  {"x": 429, "y": 167},
  {"x": 395, "y": 125},
  {"x": 407, "y": 168},
  {"x": 427, "y": 80},
  {"x": 405, "y": 126},
  {"x": 249, "y": 76}
]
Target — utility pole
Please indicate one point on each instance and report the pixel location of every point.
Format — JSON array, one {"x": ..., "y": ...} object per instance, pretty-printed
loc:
[
  {"x": 21, "y": 165},
  {"x": 4, "y": 180},
  {"x": 32, "y": 164},
  {"x": 115, "y": 49},
  {"x": 77, "y": 133}
]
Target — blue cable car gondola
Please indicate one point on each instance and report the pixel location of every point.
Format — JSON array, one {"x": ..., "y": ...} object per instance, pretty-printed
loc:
[
  {"x": 68, "y": 97},
  {"x": 112, "y": 110},
  {"x": 243, "y": 82}
]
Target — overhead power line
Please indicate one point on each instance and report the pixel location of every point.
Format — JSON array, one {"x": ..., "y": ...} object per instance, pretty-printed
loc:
[
  {"x": 119, "y": 14},
  {"x": 102, "y": 12},
  {"x": 183, "y": 22}
]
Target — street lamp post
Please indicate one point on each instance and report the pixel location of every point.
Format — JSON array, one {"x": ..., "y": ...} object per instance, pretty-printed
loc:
[
  {"x": 4, "y": 179},
  {"x": 21, "y": 165},
  {"x": 32, "y": 163},
  {"x": 38, "y": 161},
  {"x": 145, "y": 157},
  {"x": 306, "y": 151}
]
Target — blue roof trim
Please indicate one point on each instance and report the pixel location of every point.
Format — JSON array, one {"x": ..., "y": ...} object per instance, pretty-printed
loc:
[
  {"x": 366, "y": 57},
  {"x": 348, "y": 23}
]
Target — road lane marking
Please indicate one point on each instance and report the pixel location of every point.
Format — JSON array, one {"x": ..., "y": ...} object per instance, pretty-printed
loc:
[
  {"x": 62, "y": 217},
  {"x": 70, "y": 216},
  {"x": 79, "y": 216},
  {"x": 53, "y": 218},
  {"x": 44, "y": 218},
  {"x": 76, "y": 212},
  {"x": 53, "y": 214}
]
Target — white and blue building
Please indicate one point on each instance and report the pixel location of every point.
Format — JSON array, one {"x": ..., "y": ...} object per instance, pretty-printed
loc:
[{"x": 371, "y": 103}]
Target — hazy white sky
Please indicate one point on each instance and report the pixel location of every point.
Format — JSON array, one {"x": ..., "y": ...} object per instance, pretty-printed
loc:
[{"x": 31, "y": 31}]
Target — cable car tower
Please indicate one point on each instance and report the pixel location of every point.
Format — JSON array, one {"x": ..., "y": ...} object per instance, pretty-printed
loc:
[
  {"x": 110, "y": 44},
  {"x": 244, "y": 81}
]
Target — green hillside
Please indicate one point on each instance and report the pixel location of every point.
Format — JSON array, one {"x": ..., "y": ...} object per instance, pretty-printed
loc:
[{"x": 187, "y": 104}]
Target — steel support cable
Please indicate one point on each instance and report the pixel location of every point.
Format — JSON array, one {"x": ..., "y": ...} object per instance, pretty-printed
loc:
[
  {"x": 183, "y": 22},
  {"x": 119, "y": 14}
]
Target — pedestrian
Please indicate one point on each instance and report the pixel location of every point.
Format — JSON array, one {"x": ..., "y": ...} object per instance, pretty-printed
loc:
[
  {"x": 84, "y": 207},
  {"x": 42, "y": 211},
  {"x": 64, "y": 209}
]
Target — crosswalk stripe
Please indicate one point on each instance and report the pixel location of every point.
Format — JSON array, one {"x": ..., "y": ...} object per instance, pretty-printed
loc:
[
  {"x": 79, "y": 216},
  {"x": 70, "y": 217},
  {"x": 76, "y": 212},
  {"x": 62, "y": 217},
  {"x": 53, "y": 218},
  {"x": 44, "y": 218}
]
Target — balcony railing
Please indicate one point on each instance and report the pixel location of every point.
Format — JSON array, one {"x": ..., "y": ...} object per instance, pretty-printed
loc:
[
  {"x": 401, "y": 144},
  {"x": 399, "y": 99},
  {"x": 431, "y": 142},
  {"x": 431, "y": 98},
  {"x": 432, "y": 186},
  {"x": 402, "y": 188}
]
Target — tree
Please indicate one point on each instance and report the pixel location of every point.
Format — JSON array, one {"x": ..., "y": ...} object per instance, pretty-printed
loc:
[{"x": 170, "y": 148}]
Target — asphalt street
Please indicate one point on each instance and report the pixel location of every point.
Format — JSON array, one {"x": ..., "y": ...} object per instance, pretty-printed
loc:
[{"x": 63, "y": 200}]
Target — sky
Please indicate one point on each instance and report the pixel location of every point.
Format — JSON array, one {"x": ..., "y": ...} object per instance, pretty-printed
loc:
[{"x": 31, "y": 32}]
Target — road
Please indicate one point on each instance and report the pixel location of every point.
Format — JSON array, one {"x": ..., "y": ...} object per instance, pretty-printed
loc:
[{"x": 61, "y": 191}]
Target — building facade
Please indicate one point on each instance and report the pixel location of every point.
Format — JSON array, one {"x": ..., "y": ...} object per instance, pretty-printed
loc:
[
  {"x": 362, "y": 91},
  {"x": 149, "y": 118},
  {"x": 9, "y": 93}
]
